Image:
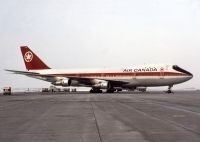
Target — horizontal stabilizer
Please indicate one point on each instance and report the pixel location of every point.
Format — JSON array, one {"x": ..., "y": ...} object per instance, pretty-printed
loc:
[{"x": 22, "y": 72}]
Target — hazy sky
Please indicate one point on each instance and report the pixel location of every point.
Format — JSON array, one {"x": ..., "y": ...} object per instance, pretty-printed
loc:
[{"x": 99, "y": 33}]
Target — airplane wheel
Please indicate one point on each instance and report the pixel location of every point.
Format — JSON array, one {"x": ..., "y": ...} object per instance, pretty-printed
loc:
[
  {"x": 96, "y": 91},
  {"x": 100, "y": 91},
  {"x": 91, "y": 91},
  {"x": 110, "y": 91},
  {"x": 169, "y": 91}
]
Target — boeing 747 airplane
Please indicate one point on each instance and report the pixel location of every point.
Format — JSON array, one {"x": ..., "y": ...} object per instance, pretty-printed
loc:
[{"x": 109, "y": 79}]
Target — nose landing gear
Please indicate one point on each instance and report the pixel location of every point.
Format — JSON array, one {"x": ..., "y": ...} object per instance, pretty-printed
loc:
[{"x": 169, "y": 91}]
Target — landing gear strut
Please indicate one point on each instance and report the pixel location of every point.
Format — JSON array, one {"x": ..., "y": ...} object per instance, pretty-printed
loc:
[
  {"x": 110, "y": 89},
  {"x": 169, "y": 89}
]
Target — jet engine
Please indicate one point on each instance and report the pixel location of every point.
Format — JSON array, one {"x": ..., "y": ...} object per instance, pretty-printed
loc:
[
  {"x": 66, "y": 82},
  {"x": 101, "y": 84},
  {"x": 62, "y": 82},
  {"x": 73, "y": 83}
]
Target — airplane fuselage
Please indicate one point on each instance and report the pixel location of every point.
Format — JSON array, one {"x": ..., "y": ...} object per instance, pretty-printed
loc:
[{"x": 144, "y": 75}]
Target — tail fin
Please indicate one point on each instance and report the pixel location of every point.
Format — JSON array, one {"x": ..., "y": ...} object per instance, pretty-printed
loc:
[{"x": 31, "y": 60}]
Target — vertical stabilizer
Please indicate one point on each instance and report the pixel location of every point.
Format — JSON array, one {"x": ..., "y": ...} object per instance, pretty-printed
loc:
[{"x": 31, "y": 60}]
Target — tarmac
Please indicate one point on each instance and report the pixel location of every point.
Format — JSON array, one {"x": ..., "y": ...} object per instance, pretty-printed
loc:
[{"x": 83, "y": 117}]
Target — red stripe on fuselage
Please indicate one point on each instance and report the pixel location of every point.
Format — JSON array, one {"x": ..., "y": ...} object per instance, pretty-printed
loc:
[{"x": 120, "y": 74}]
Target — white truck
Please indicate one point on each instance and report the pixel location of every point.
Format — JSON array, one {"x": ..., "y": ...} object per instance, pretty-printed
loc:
[{"x": 7, "y": 91}]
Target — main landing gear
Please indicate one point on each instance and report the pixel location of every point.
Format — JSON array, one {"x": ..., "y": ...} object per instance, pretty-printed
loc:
[
  {"x": 110, "y": 90},
  {"x": 169, "y": 91},
  {"x": 94, "y": 90}
]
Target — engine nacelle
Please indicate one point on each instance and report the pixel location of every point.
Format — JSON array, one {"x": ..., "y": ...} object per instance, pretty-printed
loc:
[
  {"x": 63, "y": 82},
  {"x": 101, "y": 84},
  {"x": 73, "y": 83},
  {"x": 66, "y": 82}
]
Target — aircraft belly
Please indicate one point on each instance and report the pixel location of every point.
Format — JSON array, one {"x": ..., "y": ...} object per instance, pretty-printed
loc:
[
  {"x": 154, "y": 81},
  {"x": 160, "y": 81}
]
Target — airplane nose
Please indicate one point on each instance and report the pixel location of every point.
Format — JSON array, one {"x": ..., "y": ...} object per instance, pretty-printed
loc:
[{"x": 190, "y": 75}]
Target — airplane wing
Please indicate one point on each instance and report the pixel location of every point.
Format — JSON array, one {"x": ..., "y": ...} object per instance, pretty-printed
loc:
[
  {"x": 34, "y": 75},
  {"x": 53, "y": 78},
  {"x": 89, "y": 81}
]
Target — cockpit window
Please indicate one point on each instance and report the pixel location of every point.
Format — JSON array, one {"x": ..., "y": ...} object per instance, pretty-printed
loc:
[{"x": 177, "y": 68}]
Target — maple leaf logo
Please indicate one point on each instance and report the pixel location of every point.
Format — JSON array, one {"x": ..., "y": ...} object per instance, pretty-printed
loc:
[{"x": 28, "y": 57}]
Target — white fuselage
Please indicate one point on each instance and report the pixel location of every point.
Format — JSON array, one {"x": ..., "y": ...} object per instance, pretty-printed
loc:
[{"x": 144, "y": 75}]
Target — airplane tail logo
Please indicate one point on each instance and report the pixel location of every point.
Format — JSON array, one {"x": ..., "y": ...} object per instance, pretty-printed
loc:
[
  {"x": 31, "y": 60},
  {"x": 28, "y": 56}
]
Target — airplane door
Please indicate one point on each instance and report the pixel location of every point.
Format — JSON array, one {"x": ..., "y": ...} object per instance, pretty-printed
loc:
[{"x": 162, "y": 73}]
